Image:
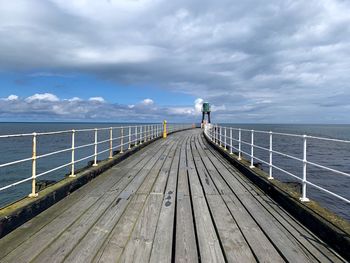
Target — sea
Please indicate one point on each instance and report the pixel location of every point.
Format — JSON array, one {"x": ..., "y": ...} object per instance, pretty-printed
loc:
[{"x": 335, "y": 155}]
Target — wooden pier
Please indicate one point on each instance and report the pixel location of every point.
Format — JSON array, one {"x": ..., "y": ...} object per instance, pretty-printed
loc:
[{"x": 176, "y": 200}]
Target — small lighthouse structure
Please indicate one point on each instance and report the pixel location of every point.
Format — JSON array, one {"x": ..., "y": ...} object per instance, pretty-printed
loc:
[{"x": 205, "y": 110}]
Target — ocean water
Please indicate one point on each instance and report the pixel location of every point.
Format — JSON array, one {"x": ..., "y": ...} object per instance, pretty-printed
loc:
[{"x": 330, "y": 154}]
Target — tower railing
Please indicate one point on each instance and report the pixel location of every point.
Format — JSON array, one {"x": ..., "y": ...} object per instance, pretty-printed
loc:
[
  {"x": 230, "y": 139},
  {"x": 118, "y": 140}
]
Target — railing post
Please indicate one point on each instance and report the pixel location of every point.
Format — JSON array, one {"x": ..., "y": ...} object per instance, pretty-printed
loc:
[
  {"x": 231, "y": 146},
  {"x": 252, "y": 150},
  {"x": 225, "y": 138},
  {"x": 129, "y": 146},
  {"x": 214, "y": 133},
  {"x": 164, "y": 129},
  {"x": 110, "y": 143},
  {"x": 72, "y": 174},
  {"x": 217, "y": 134},
  {"x": 141, "y": 134},
  {"x": 270, "y": 153},
  {"x": 95, "y": 155},
  {"x": 121, "y": 139},
  {"x": 220, "y": 137},
  {"x": 33, "y": 193},
  {"x": 136, "y": 140},
  {"x": 303, "y": 197},
  {"x": 239, "y": 144}
]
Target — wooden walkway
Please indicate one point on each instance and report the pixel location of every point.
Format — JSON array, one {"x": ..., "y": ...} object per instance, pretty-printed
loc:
[{"x": 176, "y": 200}]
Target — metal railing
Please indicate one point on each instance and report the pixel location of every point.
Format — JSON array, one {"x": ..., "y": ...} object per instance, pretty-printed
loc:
[
  {"x": 223, "y": 136},
  {"x": 119, "y": 138}
]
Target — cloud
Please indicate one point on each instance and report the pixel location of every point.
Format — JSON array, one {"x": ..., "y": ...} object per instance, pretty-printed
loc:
[
  {"x": 97, "y": 99},
  {"x": 50, "y": 107},
  {"x": 42, "y": 97},
  {"x": 11, "y": 98},
  {"x": 147, "y": 102},
  {"x": 254, "y": 60},
  {"x": 75, "y": 99}
]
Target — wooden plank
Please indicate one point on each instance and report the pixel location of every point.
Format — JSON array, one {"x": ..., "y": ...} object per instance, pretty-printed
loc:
[
  {"x": 208, "y": 242},
  {"x": 161, "y": 171},
  {"x": 261, "y": 246},
  {"x": 207, "y": 183},
  {"x": 302, "y": 234},
  {"x": 113, "y": 248},
  {"x": 185, "y": 247},
  {"x": 159, "y": 185},
  {"x": 163, "y": 239},
  {"x": 282, "y": 240},
  {"x": 235, "y": 246},
  {"x": 13, "y": 240},
  {"x": 140, "y": 244},
  {"x": 315, "y": 246},
  {"x": 90, "y": 244},
  {"x": 113, "y": 204},
  {"x": 139, "y": 247},
  {"x": 26, "y": 251},
  {"x": 115, "y": 244}
]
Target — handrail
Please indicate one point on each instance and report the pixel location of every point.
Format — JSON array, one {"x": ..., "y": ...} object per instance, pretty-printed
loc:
[
  {"x": 126, "y": 136},
  {"x": 218, "y": 134}
]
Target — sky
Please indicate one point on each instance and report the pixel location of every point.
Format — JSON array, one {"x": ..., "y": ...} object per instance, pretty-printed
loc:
[{"x": 255, "y": 61}]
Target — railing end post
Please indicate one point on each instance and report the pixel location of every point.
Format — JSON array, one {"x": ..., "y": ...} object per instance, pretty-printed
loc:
[
  {"x": 304, "y": 199},
  {"x": 33, "y": 195}
]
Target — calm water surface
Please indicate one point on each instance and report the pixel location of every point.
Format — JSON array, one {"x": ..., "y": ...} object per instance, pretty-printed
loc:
[{"x": 330, "y": 154}]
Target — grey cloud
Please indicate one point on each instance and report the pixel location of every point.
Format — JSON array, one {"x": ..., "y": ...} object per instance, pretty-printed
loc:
[{"x": 262, "y": 60}]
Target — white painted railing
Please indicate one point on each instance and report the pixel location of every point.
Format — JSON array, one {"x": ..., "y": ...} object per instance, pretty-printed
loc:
[
  {"x": 128, "y": 137},
  {"x": 223, "y": 136}
]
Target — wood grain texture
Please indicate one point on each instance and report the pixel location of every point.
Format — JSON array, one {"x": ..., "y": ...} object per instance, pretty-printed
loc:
[{"x": 177, "y": 200}]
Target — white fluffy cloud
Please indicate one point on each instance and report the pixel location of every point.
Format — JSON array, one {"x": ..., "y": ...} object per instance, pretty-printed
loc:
[
  {"x": 49, "y": 107},
  {"x": 12, "y": 98},
  {"x": 42, "y": 97},
  {"x": 147, "y": 102},
  {"x": 97, "y": 99}
]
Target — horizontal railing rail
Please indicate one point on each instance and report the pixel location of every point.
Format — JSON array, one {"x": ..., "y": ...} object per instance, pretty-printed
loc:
[
  {"x": 118, "y": 138},
  {"x": 223, "y": 136}
]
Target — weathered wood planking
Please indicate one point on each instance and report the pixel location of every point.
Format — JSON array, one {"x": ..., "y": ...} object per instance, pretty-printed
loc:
[
  {"x": 185, "y": 244},
  {"x": 177, "y": 200},
  {"x": 303, "y": 245}
]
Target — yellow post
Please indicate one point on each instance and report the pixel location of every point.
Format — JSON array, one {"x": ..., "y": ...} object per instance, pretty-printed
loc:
[{"x": 164, "y": 129}]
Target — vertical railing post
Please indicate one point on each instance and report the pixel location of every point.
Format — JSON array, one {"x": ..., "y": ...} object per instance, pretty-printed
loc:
[
  {"x": 231, "y": 145},
  {"x": 220, "y": 137},
  {"x": 110, "y": 143},
  {"x": 270, "y": 153},
  {"x": 239, "y": 144},
  {"x": 214, "y": 133},
  {"x": 225, "y": 134},
  {"x": 72, "y": 174},
  {"x": 136, "y": 138},
  {"x": 148, "y": 132},
  {"x": 303, "y": 192},
  {"x": 95, "y": 155},
  {"x": 33, "y": 193},
  {"x": 121, "y": 139},
  {"x": 129, "y": 144},
  {"x": 141, "y": 134},
  {"x": 252, "y": 150}
]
